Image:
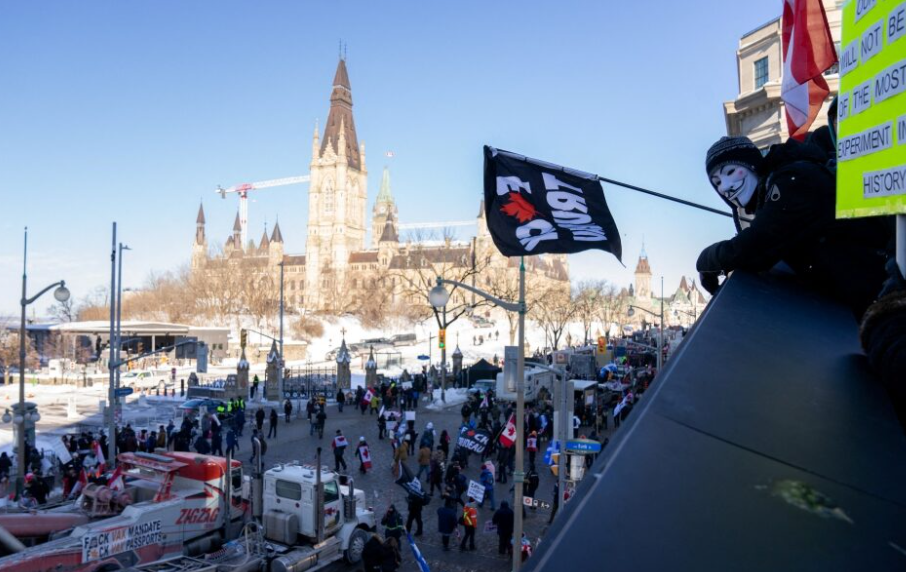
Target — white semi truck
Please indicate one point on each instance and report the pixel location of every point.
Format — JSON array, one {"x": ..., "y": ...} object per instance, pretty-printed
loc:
[
  {"x": 312, "y": 519},
  {"x": 176, "y": 507}
]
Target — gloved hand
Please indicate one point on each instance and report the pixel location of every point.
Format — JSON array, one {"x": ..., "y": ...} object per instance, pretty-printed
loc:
[{"x": 709, "y": 281}]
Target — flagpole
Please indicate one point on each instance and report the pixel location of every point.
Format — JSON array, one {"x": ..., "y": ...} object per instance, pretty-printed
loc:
[
  {"x": 663, "y": 196},
  {"x": 584, "y": 175},
  {"x": 519, "y": 474}
]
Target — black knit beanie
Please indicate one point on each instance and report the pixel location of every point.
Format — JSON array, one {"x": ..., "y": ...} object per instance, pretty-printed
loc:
[{"x": 735, "y": 151}]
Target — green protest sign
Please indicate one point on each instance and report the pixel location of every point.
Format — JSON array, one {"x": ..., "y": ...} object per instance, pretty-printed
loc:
[{"x": 871, "y": 141}]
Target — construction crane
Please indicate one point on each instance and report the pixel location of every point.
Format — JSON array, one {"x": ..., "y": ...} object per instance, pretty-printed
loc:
[
  {"x": 411, "y": 225},
  {"x": 243, "y": 192}
]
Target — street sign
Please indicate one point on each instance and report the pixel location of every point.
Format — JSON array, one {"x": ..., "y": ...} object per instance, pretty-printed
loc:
[
  {"x": 583, "y": 446},
  {"x": 123, "y": 391},
  {"x": 530, "y": 502}
]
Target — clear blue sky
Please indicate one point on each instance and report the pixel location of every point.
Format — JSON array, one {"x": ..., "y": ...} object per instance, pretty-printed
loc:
[{"x": 134, "y": 111}]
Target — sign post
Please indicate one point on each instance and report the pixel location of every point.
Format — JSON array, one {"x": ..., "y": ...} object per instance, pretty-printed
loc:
[
  {"x": 871, "y": 144},
  {"x": 510, "y": 357}
]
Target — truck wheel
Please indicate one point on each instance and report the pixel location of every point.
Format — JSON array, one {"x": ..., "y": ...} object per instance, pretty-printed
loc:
[{"x": 357, "y": 541}]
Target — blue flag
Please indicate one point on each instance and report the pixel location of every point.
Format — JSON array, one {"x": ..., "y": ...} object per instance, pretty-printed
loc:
[
  {"x": 554, "y": 447},
  {"x": 422, "y": 563}
]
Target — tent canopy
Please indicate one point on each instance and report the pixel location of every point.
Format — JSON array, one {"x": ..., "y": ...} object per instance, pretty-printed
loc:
[{"x": 482, "y": 369}]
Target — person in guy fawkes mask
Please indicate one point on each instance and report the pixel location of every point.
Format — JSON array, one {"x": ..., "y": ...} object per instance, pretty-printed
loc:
[{"x": 789, "y": 196}]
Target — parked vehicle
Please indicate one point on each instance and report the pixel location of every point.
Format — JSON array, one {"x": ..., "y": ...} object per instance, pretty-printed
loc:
[
  {"x": 403, "y": 339},
  {"x": 195, "y": 405},
  {"x": 535, "y": 380}
]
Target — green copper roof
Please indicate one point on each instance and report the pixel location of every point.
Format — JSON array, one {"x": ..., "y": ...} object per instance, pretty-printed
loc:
[{"x": 384, "y": 195}]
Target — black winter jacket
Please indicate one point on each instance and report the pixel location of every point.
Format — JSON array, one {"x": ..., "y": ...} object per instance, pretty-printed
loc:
[{"x": 795, "y": 223}]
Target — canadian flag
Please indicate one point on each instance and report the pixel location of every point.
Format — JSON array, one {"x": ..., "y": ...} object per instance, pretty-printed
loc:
[
  {"x": 99, "y": 455},
  {"x": 808, "y": 51},
  {"x": 80, "y": 485},
  {"x": 508, "y": 435},
  {"x": 367, "y": 397},
  {"x": 115, "y": 482}
]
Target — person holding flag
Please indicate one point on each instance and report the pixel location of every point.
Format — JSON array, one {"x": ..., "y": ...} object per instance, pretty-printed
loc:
[
  {"x": 366, "y": 400},
  {"x": 99, "y": 456},
  {"x": 364, "y": 455},
  {"x": 531, "y": 446},
  {"x": 792, "y": 194},
  {"x": 339, "y": 445}
]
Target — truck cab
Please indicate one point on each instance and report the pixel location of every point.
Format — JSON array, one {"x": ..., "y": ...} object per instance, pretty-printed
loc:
[{"x": 300, "y": 507}]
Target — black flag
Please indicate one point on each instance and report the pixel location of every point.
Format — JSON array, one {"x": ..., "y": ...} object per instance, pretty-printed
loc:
[
  {"x": 409, "y": 481},
  {"x": 533, "y": 207}
]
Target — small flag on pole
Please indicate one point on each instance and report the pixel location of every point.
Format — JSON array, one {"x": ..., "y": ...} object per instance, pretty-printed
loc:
[{"x": 508, "y": 436}]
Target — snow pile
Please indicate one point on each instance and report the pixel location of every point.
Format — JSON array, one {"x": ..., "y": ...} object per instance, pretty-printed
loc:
[{"x": 454, "y": 396}]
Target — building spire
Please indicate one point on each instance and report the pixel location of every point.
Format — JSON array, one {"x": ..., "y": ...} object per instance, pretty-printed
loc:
[
  {"x": 200, "y": 218},
  {"x": 389, "y": 233},
  {"x": 237, "y": 226},
  {"x": 385, "y": 196},
  {"x": 339, "y": 119},
  {"x": 277, "y": 236}
]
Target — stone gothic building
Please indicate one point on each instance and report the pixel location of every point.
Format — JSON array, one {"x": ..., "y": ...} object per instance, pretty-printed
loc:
[
  {"x": 682, "y": 306},
  {"x": 338, "y": 261}
]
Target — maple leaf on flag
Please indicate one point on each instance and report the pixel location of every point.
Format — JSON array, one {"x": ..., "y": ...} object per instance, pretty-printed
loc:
[{"x": 520, "y": 208}]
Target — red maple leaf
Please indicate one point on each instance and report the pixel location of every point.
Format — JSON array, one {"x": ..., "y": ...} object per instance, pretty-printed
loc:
[{"x": 520, "y": 208}]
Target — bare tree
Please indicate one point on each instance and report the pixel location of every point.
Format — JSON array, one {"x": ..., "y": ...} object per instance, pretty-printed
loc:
[
  {"x": 613, "y": 308},
  {"x": 9, "y": 349},
  {"x": 588, "y": 297},
  {"x": 423, "y": 262},
  {"x": 63, "y": 311},
  {"x": 553, "y": 311},
  {"x": 95, "y": 305}
]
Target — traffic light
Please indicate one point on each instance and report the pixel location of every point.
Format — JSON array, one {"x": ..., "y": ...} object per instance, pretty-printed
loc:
[
  {"x": 243, "y": 337},
  {"x": 442, "y": 339}
]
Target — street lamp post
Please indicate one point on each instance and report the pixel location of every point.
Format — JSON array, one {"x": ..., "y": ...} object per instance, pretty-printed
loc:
[
  {"x": 112, "y": 364},
  {"x": 281, "y": 360},
  {"x": 61, "y": 294},
  {"x": 438, "y": 297},
  {"x": 443, "y": 359},
  {"x": 119, "y": 323}
]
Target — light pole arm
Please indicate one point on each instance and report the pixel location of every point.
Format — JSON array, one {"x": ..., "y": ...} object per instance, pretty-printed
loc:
[
  {"x": 508, "y": 306},
  {"x": 655, "y": 314},
  {"x": 263, "y": 335},
  {"x": 60, "y": 284}
]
